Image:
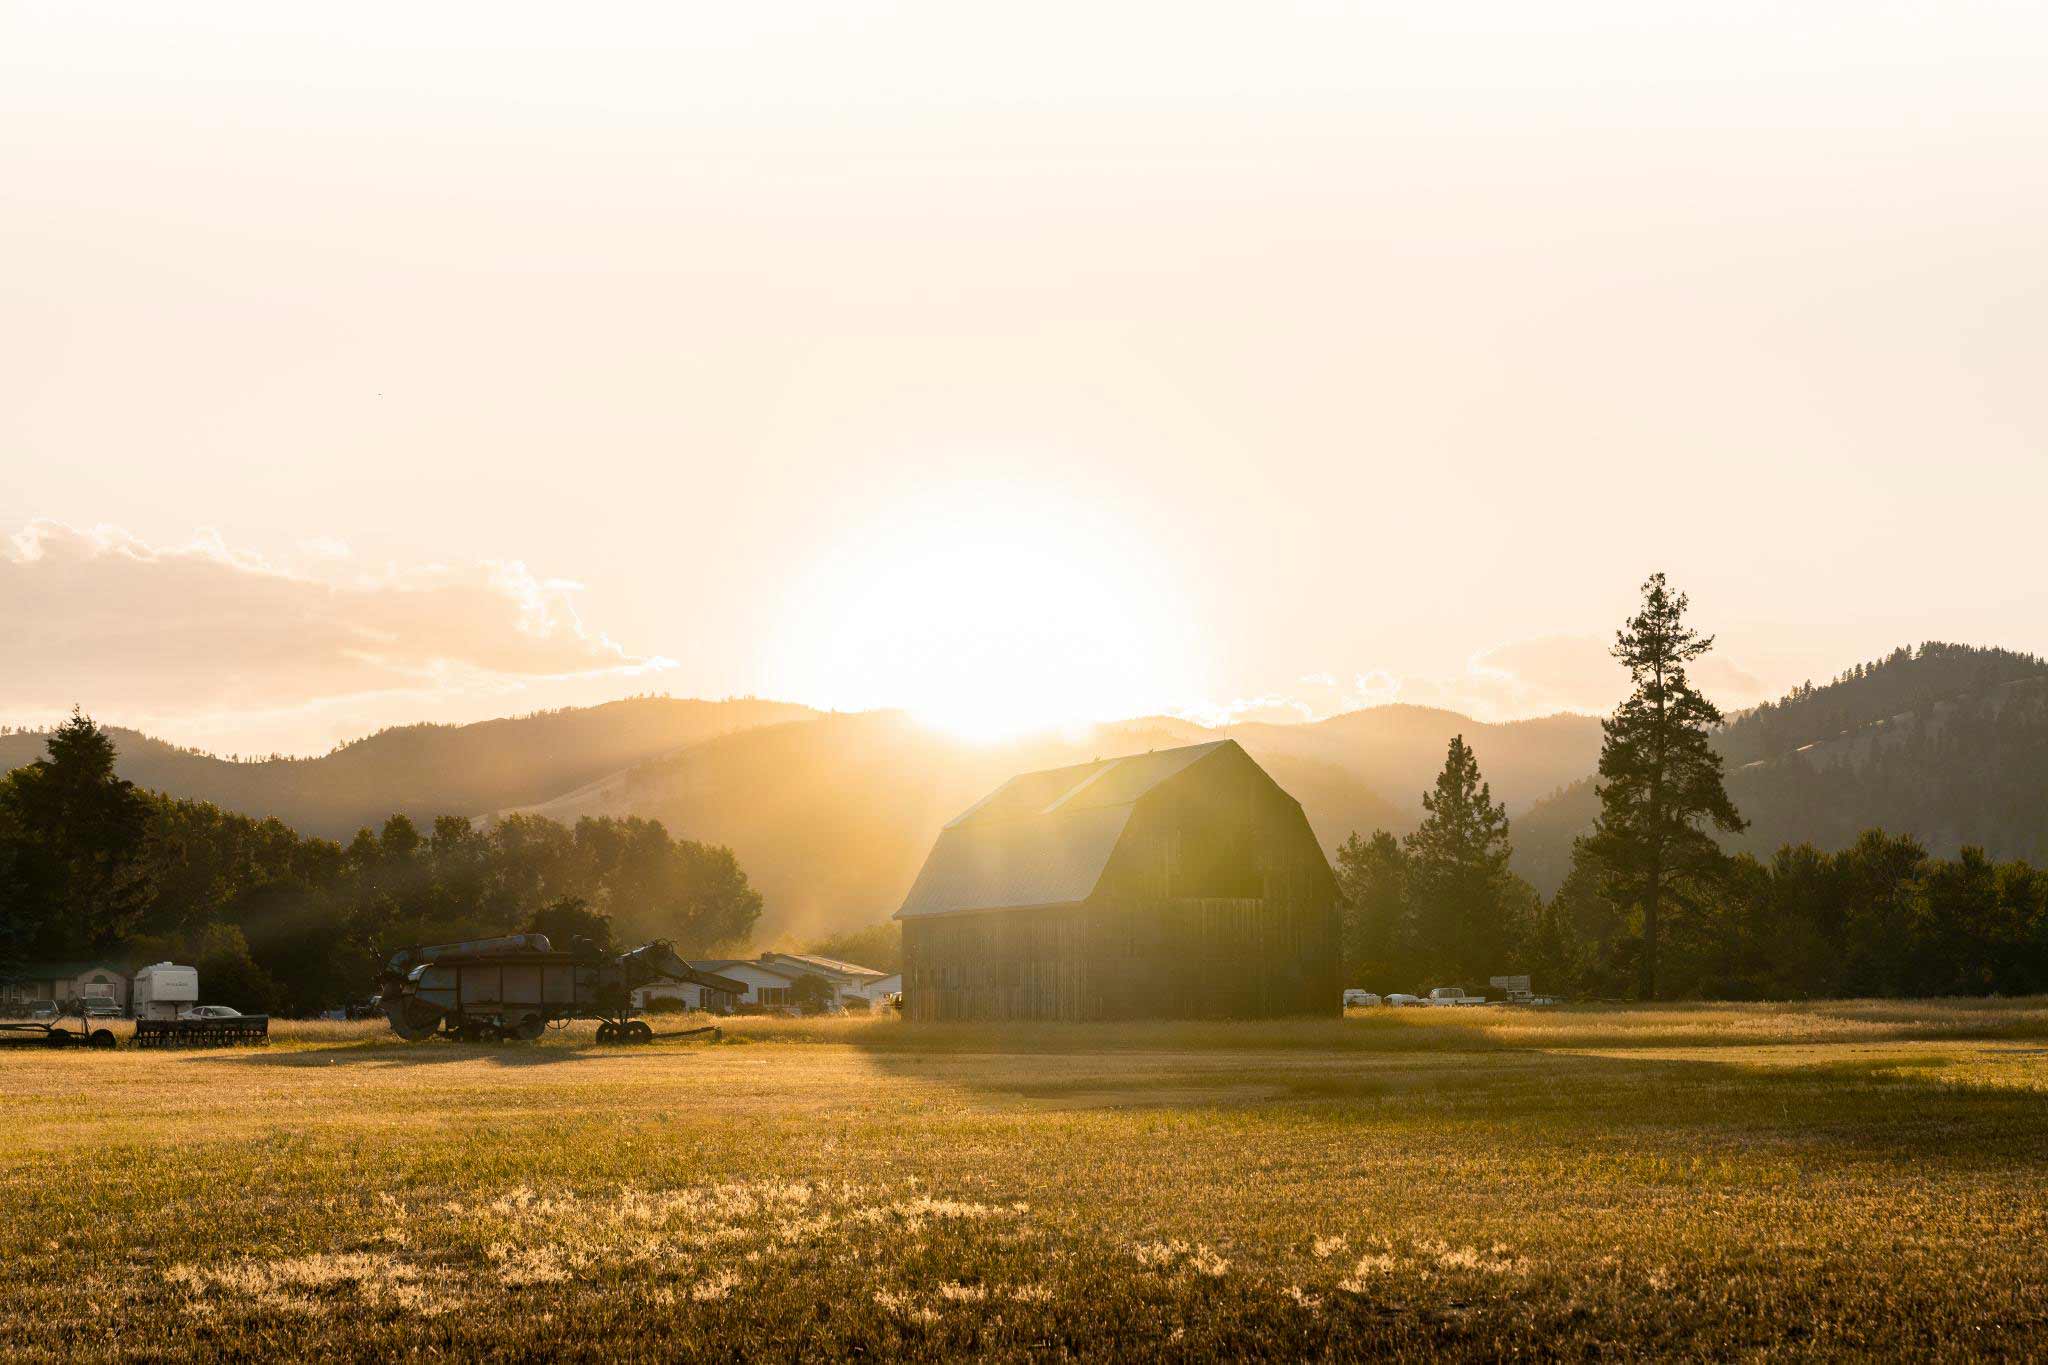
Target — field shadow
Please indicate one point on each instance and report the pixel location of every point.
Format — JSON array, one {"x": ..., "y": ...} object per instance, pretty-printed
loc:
[
  {"x": 428, "y": 1053},
  {"x": 1894, "y": 1106}
]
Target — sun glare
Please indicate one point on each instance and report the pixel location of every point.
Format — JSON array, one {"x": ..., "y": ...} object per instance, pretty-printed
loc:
[{"x": 990, "y": 613}]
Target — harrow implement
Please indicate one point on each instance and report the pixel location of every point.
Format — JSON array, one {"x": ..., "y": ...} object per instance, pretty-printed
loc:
[{"x": 247, "y": 1029}]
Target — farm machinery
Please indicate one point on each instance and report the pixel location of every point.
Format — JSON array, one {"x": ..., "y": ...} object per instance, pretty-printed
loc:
[
  {"x": 519, "y": 985},
  {"x": 165, "y": 997}
]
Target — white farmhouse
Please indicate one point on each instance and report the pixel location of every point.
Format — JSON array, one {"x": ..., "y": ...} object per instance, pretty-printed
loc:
[
  {"x": 766, "y": 986},
  {"x": 63, "y": 983},
  {"x": 771, "y": 983},
  {"x": 847, "y": 979}
]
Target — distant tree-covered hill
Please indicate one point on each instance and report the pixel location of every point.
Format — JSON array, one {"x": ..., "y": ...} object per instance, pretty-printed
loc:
[
  {"x": 830, "y": 814},
  {"x": 1947, "y": 743},
  {"x": 422, "y": 771}
]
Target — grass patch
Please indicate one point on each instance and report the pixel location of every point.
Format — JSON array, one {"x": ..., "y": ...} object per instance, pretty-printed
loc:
[{"x": 1845, "y": 1177}]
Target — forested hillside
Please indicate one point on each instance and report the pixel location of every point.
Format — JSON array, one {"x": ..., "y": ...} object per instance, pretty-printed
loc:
[
  {"x": 91, "y": 865},
  {"x": 423, "y": 771},
  {"x": 1398, "y": 749},
  {"x": 1946, "y": 743}
]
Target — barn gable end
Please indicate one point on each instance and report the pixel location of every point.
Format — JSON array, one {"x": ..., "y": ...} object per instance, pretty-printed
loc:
[{"x": 1182, "y": 883}]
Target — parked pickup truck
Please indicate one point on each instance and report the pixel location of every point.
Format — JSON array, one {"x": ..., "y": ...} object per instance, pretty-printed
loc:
[{"x": 1454, "y": 995}]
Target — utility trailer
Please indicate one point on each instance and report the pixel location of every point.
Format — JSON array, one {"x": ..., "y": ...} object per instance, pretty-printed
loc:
[
  {"x": 519, "y": 985},
  {"x": 57, "y": 1036}
]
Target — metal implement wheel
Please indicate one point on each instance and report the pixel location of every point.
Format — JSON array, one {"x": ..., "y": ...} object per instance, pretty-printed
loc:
[
  {"x": 530, "y": 1028},
  {"x": 57, "y": 1037},
  {"x": 636, "y": 1031},
  {"x": 102, "y": 1038},
  {"x": 607, "y": 1032}
]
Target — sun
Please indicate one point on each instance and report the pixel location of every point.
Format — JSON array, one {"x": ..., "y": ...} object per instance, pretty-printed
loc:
[{"x": 989, "y": 612}]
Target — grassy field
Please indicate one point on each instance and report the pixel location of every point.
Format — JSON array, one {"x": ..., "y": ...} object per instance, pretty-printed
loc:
[{"x": 1713, "y": 1181}]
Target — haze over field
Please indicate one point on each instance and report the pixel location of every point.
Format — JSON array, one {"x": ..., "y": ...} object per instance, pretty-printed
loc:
[{"x": 370, "y": 365}]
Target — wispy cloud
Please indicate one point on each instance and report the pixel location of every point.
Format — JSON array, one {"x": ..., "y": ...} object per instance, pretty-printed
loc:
[{"x": 207, "y": 637}]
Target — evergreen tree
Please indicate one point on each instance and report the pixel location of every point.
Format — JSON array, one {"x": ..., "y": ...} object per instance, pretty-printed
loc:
[
  {"x": 1550, "y": 951},
  {"x": 1660, "y": 778},
  {"x": 1372, "y": 875},
  {"x": 78, "y": 834},
  {"x": 14, "y": 918},
  {"x": 1457, "y": 872}
]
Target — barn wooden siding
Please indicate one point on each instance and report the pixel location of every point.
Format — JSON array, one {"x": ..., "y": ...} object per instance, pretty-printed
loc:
[{"x": 1217, "y": 903}]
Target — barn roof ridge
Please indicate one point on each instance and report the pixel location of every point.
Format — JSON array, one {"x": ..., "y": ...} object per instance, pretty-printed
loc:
[
  {"x": 1043, "y": 838},
  {"x": 1037, "y": 794}
]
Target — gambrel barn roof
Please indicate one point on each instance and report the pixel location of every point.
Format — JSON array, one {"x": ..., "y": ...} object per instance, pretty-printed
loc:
[{"x": 1042, "y": 838}]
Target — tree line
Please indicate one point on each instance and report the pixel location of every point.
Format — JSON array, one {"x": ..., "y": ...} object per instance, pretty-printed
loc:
[
  {"x": 1653, "y": 906},
  {"x": 91, "y": 866}
]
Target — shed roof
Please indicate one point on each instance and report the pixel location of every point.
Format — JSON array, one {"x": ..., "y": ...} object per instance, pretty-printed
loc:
[
  {"x": 722, "y": 966},
  {"x": 830, "y": 965},
  {"x": 1042, "y": 838}
]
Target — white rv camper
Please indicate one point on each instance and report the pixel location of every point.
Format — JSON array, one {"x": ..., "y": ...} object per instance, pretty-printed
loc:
[{"x": 164, "y": 988}]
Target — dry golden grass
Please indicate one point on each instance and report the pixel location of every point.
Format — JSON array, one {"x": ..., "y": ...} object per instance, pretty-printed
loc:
[{"x": 1712, "y": 1181}]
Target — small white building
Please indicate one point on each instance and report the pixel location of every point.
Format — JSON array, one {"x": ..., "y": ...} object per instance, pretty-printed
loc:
[
  {"x": 880, "y": 989},
  {"x": 848, "y": 980},
  {"x": 771, "y": 981},
  {"x": 767, "y": 987}
]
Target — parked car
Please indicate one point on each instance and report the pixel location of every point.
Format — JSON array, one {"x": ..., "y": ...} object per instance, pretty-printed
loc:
[
  {"x": 210, "y": 1012},
  {"x": 1454, "y": 995},
  {"x": 1355, "y": 998},
  {"x": 1398, "y": 999},
  {"x": 99, "y": 1007},
  {"x": 42, "y": 1009}
]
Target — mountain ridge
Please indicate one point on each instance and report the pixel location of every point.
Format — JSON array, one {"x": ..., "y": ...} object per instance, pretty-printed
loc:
[
  {"x": 1947, "y": 743},
  {"x": 830, "y": 813},
  {"x": 425, "y": 770}
]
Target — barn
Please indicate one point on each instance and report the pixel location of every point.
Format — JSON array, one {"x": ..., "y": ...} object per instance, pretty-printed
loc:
[{"x": 1181, "y": 883}]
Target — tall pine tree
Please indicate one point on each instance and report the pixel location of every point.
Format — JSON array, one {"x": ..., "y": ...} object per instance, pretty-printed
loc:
[
  {"x": 1458, "y": 871},
  {"x": 1659, "y": 776},
  {"x": 78, "y": 832}
]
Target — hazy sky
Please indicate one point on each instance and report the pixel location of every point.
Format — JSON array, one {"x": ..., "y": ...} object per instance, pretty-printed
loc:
[{"x": 371, "y": 362}]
